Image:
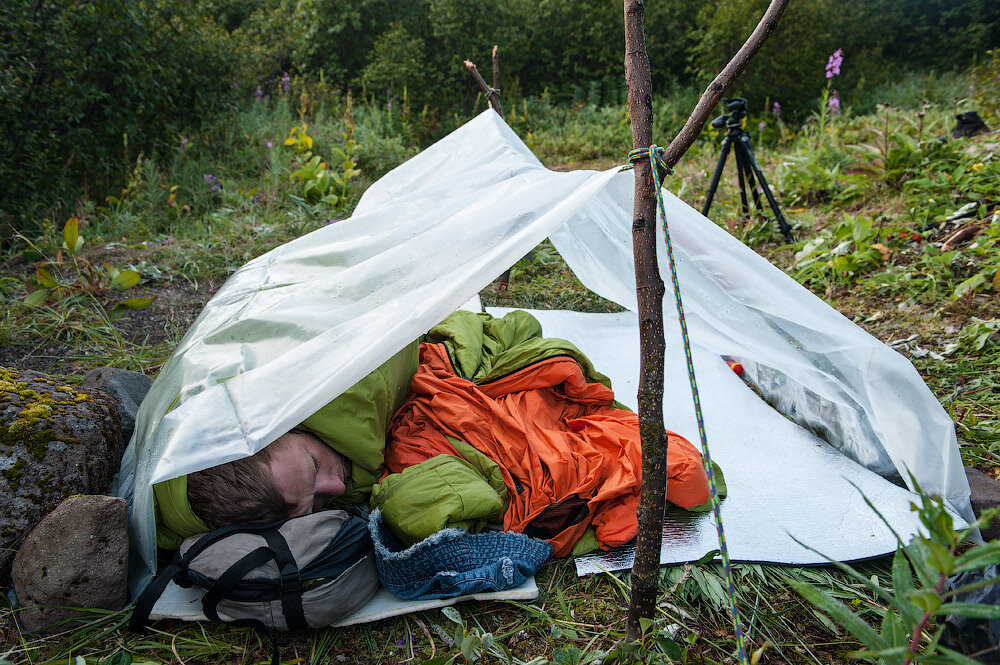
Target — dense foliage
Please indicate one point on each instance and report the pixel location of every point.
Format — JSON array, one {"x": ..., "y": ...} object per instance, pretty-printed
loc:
[{"x": 86, "y": 88}]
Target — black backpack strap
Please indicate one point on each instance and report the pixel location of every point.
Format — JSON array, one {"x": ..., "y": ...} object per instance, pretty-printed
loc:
[
  {"x": 277, "y": 549},
  {"x": 231, "y": 578},
  {"x": 291, "y": 581},
  {"x": 147, "y": 599},
  {"x": 225, "y": 584}
]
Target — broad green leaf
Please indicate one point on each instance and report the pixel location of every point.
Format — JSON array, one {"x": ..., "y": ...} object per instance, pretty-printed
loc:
[
  {"x": 136, "y": 303},
  {"x": 453, "y": 614},
  {"x": 37, "y": 298},
  {"x": 917, "y": 554},
  {"x": 670, "y": 647},
  {"x": 970, "y": 284},
  {"x": 71, "y": 232},
  {"x": 118, "y": 658},
  {"x": 707, "y": 556},
  {"x": 469, "y": 647},
  {"x": 951, "y": 657},
  {"x": 902, "y": 581},
  {"x": 928, "y": 601},
  {"x": 566, "y": 656},
  {"x": 940, "y": 558},
  {"x": 974, "y": 610},
  {"x": 45, "y": 278},
  {"x": 825, "y": 620},
  {"x": 126, "y": 279},
  {"x": 645, "y": 624}
]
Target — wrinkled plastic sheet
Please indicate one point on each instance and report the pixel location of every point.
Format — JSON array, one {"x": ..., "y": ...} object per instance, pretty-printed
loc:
[
  {"x": 295, "y": 327},
  {"x": 793, "y": 498}
]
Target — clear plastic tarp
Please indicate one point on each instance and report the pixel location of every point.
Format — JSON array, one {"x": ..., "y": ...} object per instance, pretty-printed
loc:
[{"x": 295, "y": 327}]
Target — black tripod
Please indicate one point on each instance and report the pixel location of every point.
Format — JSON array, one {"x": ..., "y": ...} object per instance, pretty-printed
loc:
[{"x": 747, "y": 167}]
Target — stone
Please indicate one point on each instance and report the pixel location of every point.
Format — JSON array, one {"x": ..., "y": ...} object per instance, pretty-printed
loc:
[
  {"x": 985, "y": 495},
  {"x": 55, "y": 441},
  {"x": 128, "y": 389},
  {"x": 969, "y": 124},
  {"x": 77, "y": 557}
]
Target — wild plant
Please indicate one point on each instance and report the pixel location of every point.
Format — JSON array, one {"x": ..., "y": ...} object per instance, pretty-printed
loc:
[
  {"x": 320, "y": 184},
  {"x": 474, "y": 645},
  {"x": 838, "y": 255},
  {"x": 829, "y": 106},
  {"x": 978, "y": 336},
  {"x": 70, "y": 277},
  {"x": 919, "y": 599}
]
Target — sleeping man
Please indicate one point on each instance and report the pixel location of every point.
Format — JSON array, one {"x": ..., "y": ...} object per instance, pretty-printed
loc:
[{"x": 483, "y": 421}]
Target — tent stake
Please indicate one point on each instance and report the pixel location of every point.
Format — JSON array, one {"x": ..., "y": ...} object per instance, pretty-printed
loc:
[{"x": 650, "y": 288}]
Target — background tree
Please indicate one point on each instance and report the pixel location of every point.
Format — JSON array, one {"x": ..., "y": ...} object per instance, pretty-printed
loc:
[{"x": 86, "y": 87}]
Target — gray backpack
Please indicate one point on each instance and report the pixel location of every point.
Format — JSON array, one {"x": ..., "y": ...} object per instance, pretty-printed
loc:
[{"x": 307, "y": 571}]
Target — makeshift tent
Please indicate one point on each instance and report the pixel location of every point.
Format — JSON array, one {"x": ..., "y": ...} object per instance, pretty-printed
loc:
[{"x": 295, "y": 327}]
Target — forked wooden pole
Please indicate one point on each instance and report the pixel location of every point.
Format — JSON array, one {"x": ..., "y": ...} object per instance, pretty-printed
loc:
[
  {"x": 650, "y": 287},
  {"x": 493, "y": 95}
]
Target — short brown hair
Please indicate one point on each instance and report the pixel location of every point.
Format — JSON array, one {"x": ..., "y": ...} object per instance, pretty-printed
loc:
[{"x": 239, "y": 492}]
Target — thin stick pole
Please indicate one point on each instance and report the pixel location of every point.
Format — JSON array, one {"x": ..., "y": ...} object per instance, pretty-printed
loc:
[{"x": 649, "y": 292}]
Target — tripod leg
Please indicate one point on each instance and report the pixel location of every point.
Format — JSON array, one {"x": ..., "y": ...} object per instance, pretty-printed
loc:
[
  {"x": 783, "y": 226},
  {"x": 714, "y": 185},
  {"x": 741, "y": 171},
  {"x": 743, "y": 151}
]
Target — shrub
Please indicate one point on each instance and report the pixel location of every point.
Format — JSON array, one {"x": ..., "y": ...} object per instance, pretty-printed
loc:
[{"x": 86, "y": 87}]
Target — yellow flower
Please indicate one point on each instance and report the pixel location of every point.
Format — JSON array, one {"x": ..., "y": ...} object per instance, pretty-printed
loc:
[{"x": 976, "y": 167}]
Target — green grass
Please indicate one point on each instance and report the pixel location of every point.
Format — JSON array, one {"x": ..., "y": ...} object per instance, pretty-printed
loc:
[{"x": 874, "y": 182}]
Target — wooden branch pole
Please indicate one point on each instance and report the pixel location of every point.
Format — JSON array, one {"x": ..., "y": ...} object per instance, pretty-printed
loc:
[
  {"x": 496, "y": 75},
  {"x": 493, "y": 95},
  {"x": 650, "y": 288},
  {"x": 649, "y": 292}
]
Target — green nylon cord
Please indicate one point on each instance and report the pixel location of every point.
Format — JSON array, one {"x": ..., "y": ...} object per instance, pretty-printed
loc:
[{"x": 660, "y": 168}]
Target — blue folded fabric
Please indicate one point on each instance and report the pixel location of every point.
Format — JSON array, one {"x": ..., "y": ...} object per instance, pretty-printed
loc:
[{"x": 453, "y": 562}]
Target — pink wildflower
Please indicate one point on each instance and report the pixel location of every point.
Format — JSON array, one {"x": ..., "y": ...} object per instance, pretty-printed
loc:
[{"x": 833, "y": 64}]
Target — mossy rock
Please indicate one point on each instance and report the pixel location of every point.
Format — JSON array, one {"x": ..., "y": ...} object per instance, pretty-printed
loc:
[{"x": 55, "y": 441}]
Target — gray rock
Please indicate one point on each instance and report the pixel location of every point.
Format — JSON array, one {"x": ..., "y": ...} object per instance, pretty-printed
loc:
[
  {"x": 985, "y": 495},
  {"x": 55, "y": 441},
  {"x": 128, "y": 389},
  {"x": 77, "y": 557}
]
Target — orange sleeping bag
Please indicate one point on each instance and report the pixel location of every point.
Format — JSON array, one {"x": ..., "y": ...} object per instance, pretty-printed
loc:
[{"x": 568, "y": 457}]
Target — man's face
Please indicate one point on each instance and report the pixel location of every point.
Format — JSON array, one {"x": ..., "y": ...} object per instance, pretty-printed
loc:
[{"x": 307, "y": 472}]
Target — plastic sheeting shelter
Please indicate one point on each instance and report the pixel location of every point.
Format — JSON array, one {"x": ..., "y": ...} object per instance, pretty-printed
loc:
[{"x": 295, "y": 327}]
